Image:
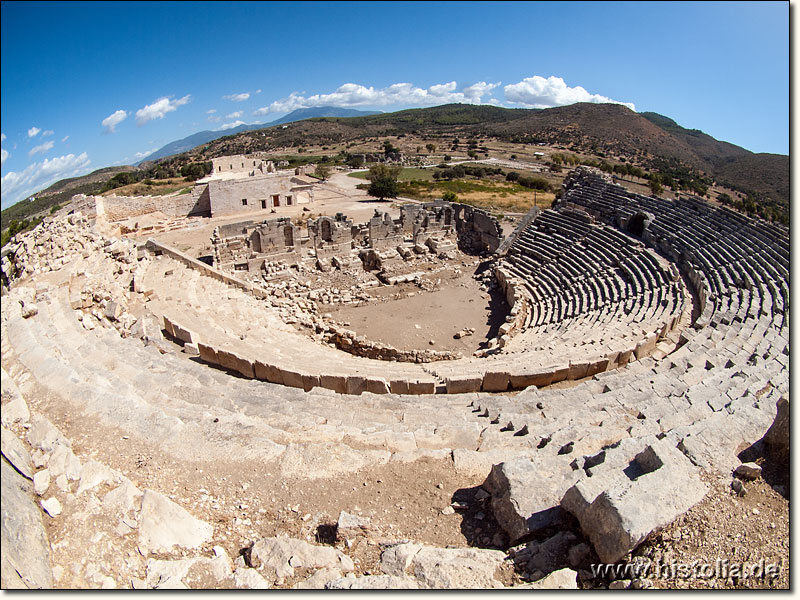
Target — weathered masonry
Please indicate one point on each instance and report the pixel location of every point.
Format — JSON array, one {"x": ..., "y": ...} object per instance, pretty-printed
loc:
[{"x": 242, "y": 183}]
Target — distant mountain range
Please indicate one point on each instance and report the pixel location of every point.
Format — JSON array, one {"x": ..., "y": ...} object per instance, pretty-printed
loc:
[
  {"x": 204, "y": 137},
  {"x": 608, "y": 131}
]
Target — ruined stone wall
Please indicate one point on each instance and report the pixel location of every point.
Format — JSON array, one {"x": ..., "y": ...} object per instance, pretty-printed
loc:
[
  {"x": 232, "y": 196},
  {"x": 119, "y": 208},
  {"x": 384, "y": 232},
  {"x": 249, "y": 243},
  {"x": 477, "y": 228},
  {"x": 331, "y": 236},
  {"x": 250, "y": 164}
]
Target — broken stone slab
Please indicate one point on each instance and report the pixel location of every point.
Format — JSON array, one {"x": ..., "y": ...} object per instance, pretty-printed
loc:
[
  {"x": 41, "y": 482},
  {"x": 124, "y": 498},
  {"x": 749, "y": 471},
  {"x": 44, "y": 435},
  {"x": 563, "y": 579},
  {"x": 373, "y": 582},
  {"x": 277, "y": 558},
  {"x": 350, "y": 526},
  {"x": 192, "y": 573},
  {"x": 659, "y": 485},
  {"x": 319, "y": 580},
  {"x": 15, "y": 452},
  {"x": 546, "y": 556},
  {"x": 15, "y": 409},
  {"x": 63, "y": 462},
  {"x": 444, "y": 568},
  {"x": 25, "y": 558},
  {"x": 527, "y": 491},
  {"x": 249, "y": 579},
  {"x": 93, "y": 474},
  {"x": 164, "y": 525},
  {"x": 51, "y": 506}
]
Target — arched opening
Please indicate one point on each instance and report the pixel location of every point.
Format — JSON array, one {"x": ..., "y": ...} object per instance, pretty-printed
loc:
[
  {"x": 637, "y": 224},
  {"x": 326, "y": 232}
]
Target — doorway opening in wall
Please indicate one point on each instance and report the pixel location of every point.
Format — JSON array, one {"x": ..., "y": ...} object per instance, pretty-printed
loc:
[
  {"x": 263, "y": 204},
  {"x": 288, "y": 200},
  {"x": 276, "y": 200}
]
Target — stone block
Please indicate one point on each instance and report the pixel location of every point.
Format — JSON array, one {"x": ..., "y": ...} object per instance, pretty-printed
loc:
[
  {"x": 619, "y": 509},
  {"x": 495, "y": 381},
  {"x": 337, "y": 383},
  {"x": 560, "y": 373},
  {"x": 292, "y": 378},
  {"x": 646, "y": 346},
  {"x": 168, "y": 326},
  {"x": 421, "y": 387},
  {"x": 597, "y": 366},
  {"x": 398, "y": 386},
  {"x": 231, "y": 361},
  {"x": 267, "y": 372},
  {"x": 537, "y": 377},
  {"x": 577, "y": 370},
  {"x": 356, "y": 385},
  {"x": 376, "y": 385},
  {"x": 624, "y": 357},
  {"x": 208, "y": 354},
  {"x": 527, "y": 492},
  {"x": 183, "y": 334},
  {"x": 463, "y": 385}
]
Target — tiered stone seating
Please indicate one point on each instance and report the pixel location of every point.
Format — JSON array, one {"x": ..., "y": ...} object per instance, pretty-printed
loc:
[{"x": 710, "y": 395}]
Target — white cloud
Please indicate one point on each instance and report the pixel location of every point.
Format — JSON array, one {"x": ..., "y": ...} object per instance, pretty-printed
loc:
[
  {"x": 3, "y": 156},
  {"x": 540, "y": 92},
  {"x": 231, "y": 125},
  {"x": 48, "y": 132},
  {"x": 352, "y": 94},
  {"x": 145, "y": 153},
  {"x": 237, "y": 97},
  {"x": 41, "y": 148},
  {"x": 258, "y": 91},
  {"x": 2, "y": 137},
  {"x": 33, "y": 131},
  {"x": 39, "y": 175},
  {"x": 477, "y": 90},
  {"x": 114, "y": 119},
  {"x": 211, "y": 111},
  {"x": 159, "y": 108},
  {"x": 234, "y": 115},
  {"x": 64, "y": 139}
]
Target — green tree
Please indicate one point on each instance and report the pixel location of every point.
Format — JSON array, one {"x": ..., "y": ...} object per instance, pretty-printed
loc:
[
  {"x": 655, "y": 184},
  {"x": 383, "y": 181},
  {"x": 450, "y": 197},
  {"x": 431, "y": 148},
  {"x": 322, "y": 171}
]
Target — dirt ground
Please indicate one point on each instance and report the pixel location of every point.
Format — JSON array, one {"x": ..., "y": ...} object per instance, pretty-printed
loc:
[{"x": 418, "y": 318}]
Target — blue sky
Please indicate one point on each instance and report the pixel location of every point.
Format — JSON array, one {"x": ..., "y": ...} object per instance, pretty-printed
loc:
[{"x": 89, "y": 85}]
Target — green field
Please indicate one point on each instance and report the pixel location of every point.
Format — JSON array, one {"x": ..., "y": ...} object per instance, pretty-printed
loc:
[{"x": 407, "y": 174}]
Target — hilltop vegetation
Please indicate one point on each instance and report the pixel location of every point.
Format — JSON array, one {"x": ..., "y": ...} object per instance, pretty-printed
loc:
[{"x": 638, "y": 146}]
